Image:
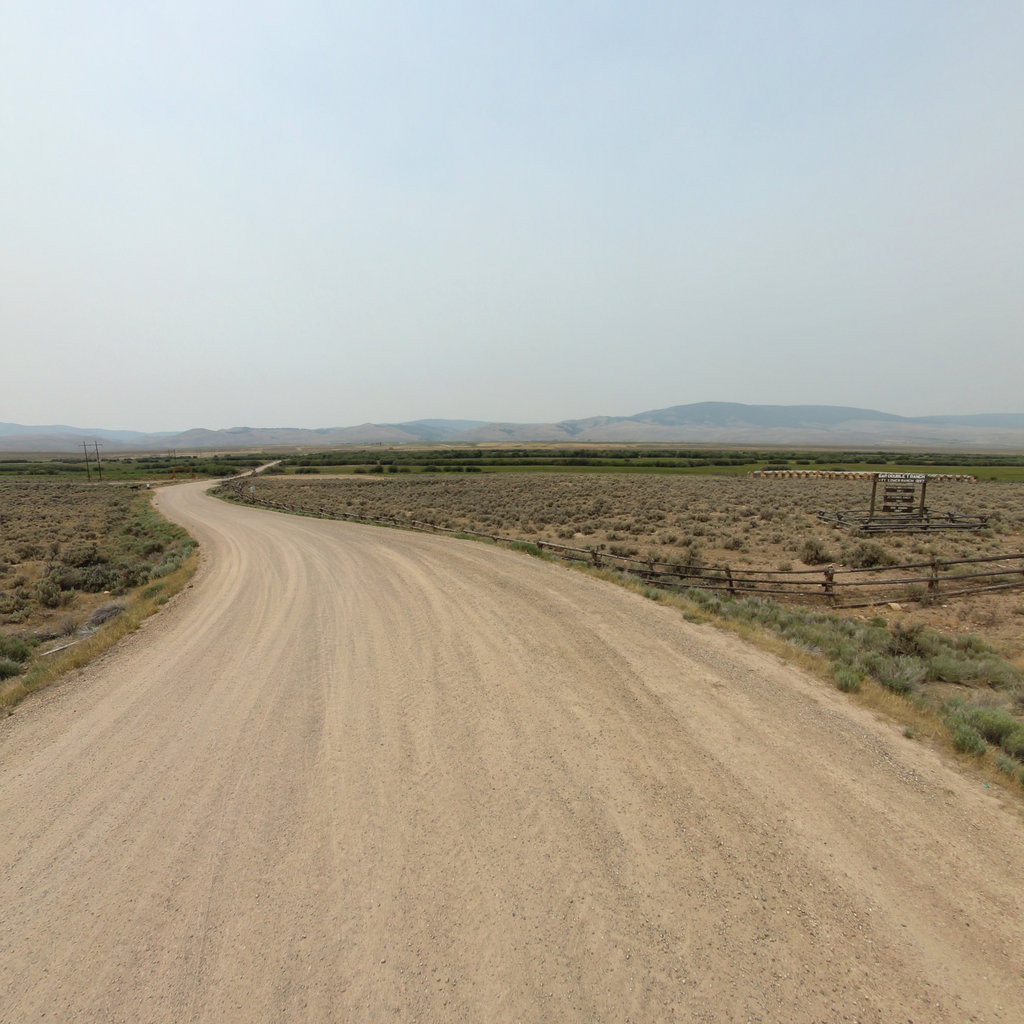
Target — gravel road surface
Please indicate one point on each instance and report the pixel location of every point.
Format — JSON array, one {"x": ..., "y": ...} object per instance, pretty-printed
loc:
[{"x": 357, "y": 774}]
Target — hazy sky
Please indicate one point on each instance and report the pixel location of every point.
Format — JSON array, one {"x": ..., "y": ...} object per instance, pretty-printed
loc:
[{"x": 317, "y": 214}]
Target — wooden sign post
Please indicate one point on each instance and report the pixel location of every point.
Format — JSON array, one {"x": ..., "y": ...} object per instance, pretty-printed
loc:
[{"x": 900, "y": 494}]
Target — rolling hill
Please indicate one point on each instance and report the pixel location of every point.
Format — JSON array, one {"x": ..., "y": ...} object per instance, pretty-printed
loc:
[{"x": 700, "y": 423}]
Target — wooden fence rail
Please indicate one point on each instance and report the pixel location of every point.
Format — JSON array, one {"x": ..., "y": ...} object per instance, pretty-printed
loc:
[{"x": 836, "y": 586}]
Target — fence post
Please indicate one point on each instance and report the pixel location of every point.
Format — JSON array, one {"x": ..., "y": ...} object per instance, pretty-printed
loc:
[
  {"x": 829, "y": 584},
  {"x": 595, "y": 556},
  {"x": 933, "y": 583}
]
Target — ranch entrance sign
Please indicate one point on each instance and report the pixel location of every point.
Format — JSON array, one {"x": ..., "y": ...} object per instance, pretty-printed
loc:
[{"x": 902, "y": 493}]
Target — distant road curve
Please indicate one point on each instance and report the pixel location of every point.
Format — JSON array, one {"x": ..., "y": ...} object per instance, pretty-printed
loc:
[{"x": 356, "y": 774}]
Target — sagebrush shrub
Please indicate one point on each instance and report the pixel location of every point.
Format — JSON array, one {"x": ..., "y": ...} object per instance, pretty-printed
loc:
[
  {"x": 814, "y": 552},
  {"x": 14, "y": 648}
]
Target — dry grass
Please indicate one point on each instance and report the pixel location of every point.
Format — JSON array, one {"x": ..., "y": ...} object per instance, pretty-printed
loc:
[
  {"x": 741, "y": 521},
  {"x": 67, "y": 551},
  {"x": 920, "y": 717},
  {"x": 137, "y": 607}
]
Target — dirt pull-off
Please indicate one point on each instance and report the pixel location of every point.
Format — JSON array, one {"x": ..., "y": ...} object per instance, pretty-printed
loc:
[{"x": 362, "y": 775}]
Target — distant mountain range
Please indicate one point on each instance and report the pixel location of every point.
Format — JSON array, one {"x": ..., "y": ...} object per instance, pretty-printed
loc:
[{"x": 701, "y": 423}]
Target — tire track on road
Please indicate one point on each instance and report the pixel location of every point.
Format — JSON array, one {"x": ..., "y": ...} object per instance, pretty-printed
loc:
[{"x": 357, "y": 774}]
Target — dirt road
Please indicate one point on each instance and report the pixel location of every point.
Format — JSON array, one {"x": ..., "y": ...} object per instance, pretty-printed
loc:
[{"x": 362, "y": 775}]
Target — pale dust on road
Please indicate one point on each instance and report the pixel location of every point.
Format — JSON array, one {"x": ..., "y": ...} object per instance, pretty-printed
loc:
[{"x": 358, "y": 774}]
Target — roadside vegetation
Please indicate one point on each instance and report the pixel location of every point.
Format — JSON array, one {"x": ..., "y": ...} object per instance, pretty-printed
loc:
[
  {"x": 80, "y": 565},
  {"x": 957, "y": 680}
]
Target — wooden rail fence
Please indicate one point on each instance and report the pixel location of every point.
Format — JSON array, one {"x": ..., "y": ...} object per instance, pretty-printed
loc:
[{"x": 836, "y": 586}]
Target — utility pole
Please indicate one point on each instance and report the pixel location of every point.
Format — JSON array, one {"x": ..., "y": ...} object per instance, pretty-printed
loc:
[
  {"x": 85, "y": 449},
  {"x": 96, "y": 447}
]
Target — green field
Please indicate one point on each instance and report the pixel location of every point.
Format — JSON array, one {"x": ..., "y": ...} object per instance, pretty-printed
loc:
[
  {"x": 489, "y": 459},
  {"x": 138, "y": 467},
  {"x": 636, "y": 459}
]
